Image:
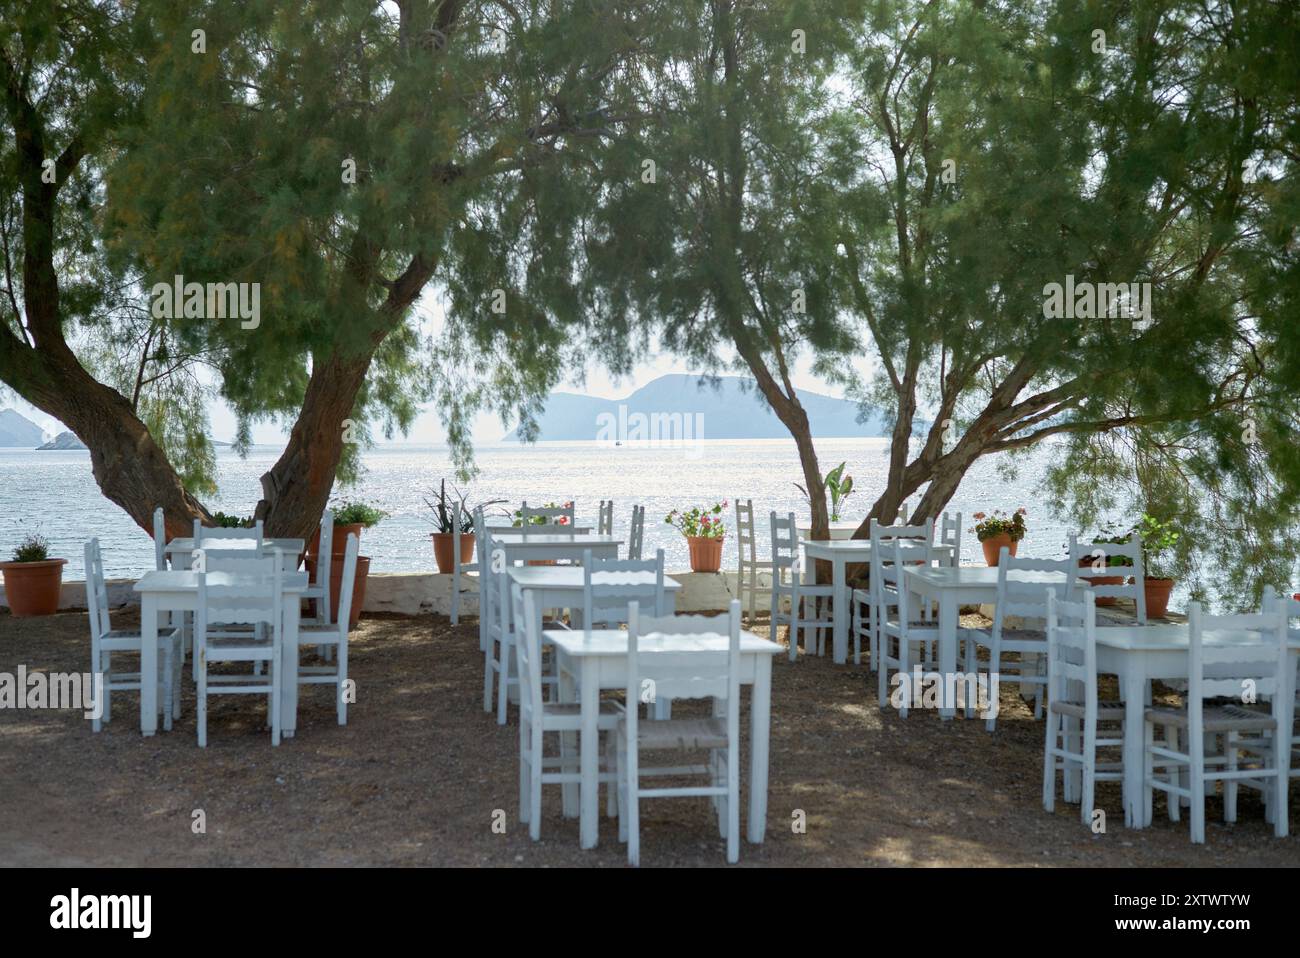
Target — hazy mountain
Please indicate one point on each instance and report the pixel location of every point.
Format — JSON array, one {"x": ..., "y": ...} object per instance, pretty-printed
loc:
[
  {"x": 694, "y": 409},
  {"x": 18, "y": 430},
  {"x": 64, "y": 440}
]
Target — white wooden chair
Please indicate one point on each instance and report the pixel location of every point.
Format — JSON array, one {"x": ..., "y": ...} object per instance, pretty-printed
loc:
[
  {"x": 786, "y": 561},
  {"x": 549, "y": 516},
  {"x": 607, "y": 589},
  {"x": 863, "y": 623},
  {"x": 334, "y": 636},
  {"x": 897, "y": 624},
  {"x": 605, "y": 520},
  {"x": 949, "y": 530},
  {"x": 159, "y": 540},
  {"x": 747, "y": 553},
  {"x": 1097, "y": 554},
  {"x": 1073, "y": 719},
  {"x": 1028, "y": 601},
  {"x": 498, "y": 639},
  {"x": 319, "y": 589},
  {"x": 1247, "y": 733},
  {"x": 105, "y": 641},
  {"x": 677, "y": 673},
  {"x": 636, "y": 533},
  {"x": 1291, "y": 608},
  {"x": 461, "y": 570},
  {"x": 538, "y": 717},
  {"x": 258, "y": 605}
]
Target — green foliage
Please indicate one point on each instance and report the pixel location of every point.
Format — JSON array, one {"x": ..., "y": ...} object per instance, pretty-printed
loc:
[
  {"x": 1159, "y": 542},
  {"x": 699, "y": 521},
  {"x": 517, "y": 517},
  {"x": 224, "y": 521},
  {"x": 34, "y": 548},
  {"x": 838, "y": 485},
  {"x": 448, "y": 507},
  {"x": 349, "y": 512}
]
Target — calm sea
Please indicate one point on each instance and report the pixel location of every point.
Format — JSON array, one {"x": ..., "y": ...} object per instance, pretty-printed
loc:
[{"x": 54, "y": 493}]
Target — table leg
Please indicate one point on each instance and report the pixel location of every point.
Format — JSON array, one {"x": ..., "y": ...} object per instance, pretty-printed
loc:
[
  {"x": 590, "y": 746},
  {"x": 568, "y": 791},
  {"x": 289, "y": 666},
  {"x": 947, "y": 644},
  {"x": 148, "y": 663},
  {"x": 760, "y": 718},
  {"x": 1132, "y": 688},
  {"x": 840, "y": 630}
]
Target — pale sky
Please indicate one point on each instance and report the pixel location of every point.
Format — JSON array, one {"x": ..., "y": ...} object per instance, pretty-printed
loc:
[{"x": 427, "y": 427}]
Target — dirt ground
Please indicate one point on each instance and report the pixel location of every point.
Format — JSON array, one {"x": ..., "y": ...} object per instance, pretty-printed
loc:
[{"x": 417, "y": 774}]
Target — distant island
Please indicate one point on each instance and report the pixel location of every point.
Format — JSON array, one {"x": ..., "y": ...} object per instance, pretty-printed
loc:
[
  {"x": 64, "y": 440},
  {"x": 17, "y": 430},
  {"x": 687, "y": 407}
]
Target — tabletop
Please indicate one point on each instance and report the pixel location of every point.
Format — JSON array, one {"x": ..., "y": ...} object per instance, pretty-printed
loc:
[
  {"x": 977, "y": 577},
  {"x": 186, "y": 581},
  {"x": 1175, "y": 636},
  {"x": 285, "y": 545},
  {"x": 613, "y": 642},
  {"x": 570, "y": 577},
  {"x": 860, "y": 545}
]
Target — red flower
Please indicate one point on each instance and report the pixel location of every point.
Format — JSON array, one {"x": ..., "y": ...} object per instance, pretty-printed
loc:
[
  {"x": 563, "y": 521},
  {"x": 979, "y": 515}
]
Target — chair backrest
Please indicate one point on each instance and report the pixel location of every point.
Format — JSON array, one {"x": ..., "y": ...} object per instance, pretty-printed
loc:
[
  {"x": 888, "y": 560},
  {"x": 256, "y": 601},
  {"x": 785, "y": 541},
  {"x": 96, "y": 592},
  {"x": 746, "y": 544},
  {"x": 1072, "y": 647},
  {"x": 159, "y": 540},
  {"x": 528, "y": 648},
  {"x": 1214, "y": 671},
  {"x": 636, "y": 534},
  {"x": 204, "y": 533},
  {"x": 240, "y": 560},
  {"x": 950, "y": 533},
  {"x": 605, "y": 521},
  {"x": 491, "y": 581},
  {"x": 608, "y": 585},
  {"x": 1096, "y": 555},
  {"x": 348, "y": 586},
  {"x": 1028, "y": 600},
  {"x": 326, "y": 548},
  {"x": 683, "y": 671},
  {"x": 558, "y": 515}
]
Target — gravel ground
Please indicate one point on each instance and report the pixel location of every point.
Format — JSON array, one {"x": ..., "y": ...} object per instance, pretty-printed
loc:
[{"x": 416, "y": 777}]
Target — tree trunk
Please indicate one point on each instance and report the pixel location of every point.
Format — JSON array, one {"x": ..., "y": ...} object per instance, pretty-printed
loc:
[{"x": 297, "y": 488}]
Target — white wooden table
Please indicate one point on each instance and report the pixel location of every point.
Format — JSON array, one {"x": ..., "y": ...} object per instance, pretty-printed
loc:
[
  {"x": 841, "y": 552},
  {"x": 183, "y": 548},
  {"x": 597, "y": 660},
  {"x": 955, "y": 586},
  {"x": 1137, "y": 654},
  {"x": 178, "y": 591}
]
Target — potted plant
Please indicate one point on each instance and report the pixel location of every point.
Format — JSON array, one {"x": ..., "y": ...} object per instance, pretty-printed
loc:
[
  {"x": 838, "y": 485},
  {"x": 32, "y": 579},
  {"x": 1112, "y": 562},
  {"x": 448, "y": 511},
  {"x": 1159, "y": 540},
  {"x": 704, "y": 530},
  {"x": 998, "y": 530},
  {"x": 349, "y": 517}
]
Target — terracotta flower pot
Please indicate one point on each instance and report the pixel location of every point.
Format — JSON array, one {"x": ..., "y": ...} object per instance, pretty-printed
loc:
[
  {"x": 543, "y": 562},
  {"x": 338, "y": 538},
  {"x": 442, "y": 553},
  {"x": 32, "y": 588},
  {"x": 706, "y": 553},
  {"x": 993, "y": 547},
  {"x": 1157, "y": 595},
  {"x": 336, "y": 586}
]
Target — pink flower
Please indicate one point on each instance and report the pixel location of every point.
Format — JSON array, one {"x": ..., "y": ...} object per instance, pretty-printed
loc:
[
  {"x": 979, "y": 515},
  {"x": 563, "y": 521}
]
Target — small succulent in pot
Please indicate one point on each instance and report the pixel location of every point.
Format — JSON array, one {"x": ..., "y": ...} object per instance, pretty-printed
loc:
[
  {"x": 34, "y": 548},
  {"x": 348, "y": 513},
  {"x": 446, "y": 508}
]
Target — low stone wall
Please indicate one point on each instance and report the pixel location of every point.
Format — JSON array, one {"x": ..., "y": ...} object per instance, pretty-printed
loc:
[{"x": 411, "y": 593}]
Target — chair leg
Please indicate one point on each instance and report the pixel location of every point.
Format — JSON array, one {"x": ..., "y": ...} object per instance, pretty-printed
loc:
[
  {"x": 108, "y": 695},
  {"x": 165, "y": 700},
  {"x": 611, "y": 790},
  {"x": 202, "y": 694},
  {"x": 535, "y": 786},
  {"x": 995, "y": 668},
  {"x": 1049, "y": 766},
  {"x": 97, "y": 668},
  {"x": 178, "y": 674},
  {"x": 503, "y": 681},
  {"x": 273, "y": 673},
  {"x": 1197, "y": 786},
  {"x": 1148, "y": 772},
  {"x": 343, "y": 680},
  {"x": 487, "y": 675},
  {"x": 1230, "y": 785},
  {"x": 525, "y": 768},
  {"x": 455, "y": 598}
]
